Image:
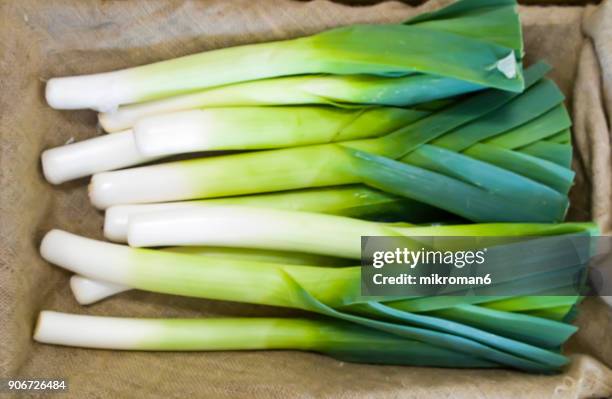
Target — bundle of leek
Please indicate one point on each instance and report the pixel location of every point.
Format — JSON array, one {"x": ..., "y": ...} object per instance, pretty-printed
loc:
[
  {"x": 482, "y": 142},
  {"x": 466, "y": 47},
  {"x": 283, "y": 237},
  {"x": 484, "y": 158},
  {"x": 485, "y": 333}
]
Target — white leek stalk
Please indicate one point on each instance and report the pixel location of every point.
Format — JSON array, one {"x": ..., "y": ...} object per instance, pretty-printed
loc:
[
  {"x": 102, "y": 153},
  {"x": 87, "y": 291}
]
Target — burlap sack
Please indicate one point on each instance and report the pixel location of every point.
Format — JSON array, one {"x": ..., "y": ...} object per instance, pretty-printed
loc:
[{"x": 63, "y": 37}]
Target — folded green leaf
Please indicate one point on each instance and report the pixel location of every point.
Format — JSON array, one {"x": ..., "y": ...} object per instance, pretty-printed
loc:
[
  {"x": 561, "y": 154},
  {"x": 521, "y": 327}
]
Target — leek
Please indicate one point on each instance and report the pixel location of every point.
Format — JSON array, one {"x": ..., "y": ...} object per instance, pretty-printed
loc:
[
  {"x": 152, "y": 270},
  {"x": 471, "y": 41},
  {"x": 87, "y": 291},
  {"x": 247, "y": 128},
  {"x": 484, "y": 142},
  {"x": 336, "y": 90},
  {"x": 322, "y": 290},
  {"x": 264, "y": 228},
  {"x": 350, "y": 200},
  {"x": 467, "y": 181},
  {"x": 338, "y": 339},
  {"x": 220, "y": 129}
]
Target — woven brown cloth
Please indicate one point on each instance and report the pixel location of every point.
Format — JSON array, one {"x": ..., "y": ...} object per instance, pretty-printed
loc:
[{"x": 42, "y": 39}]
